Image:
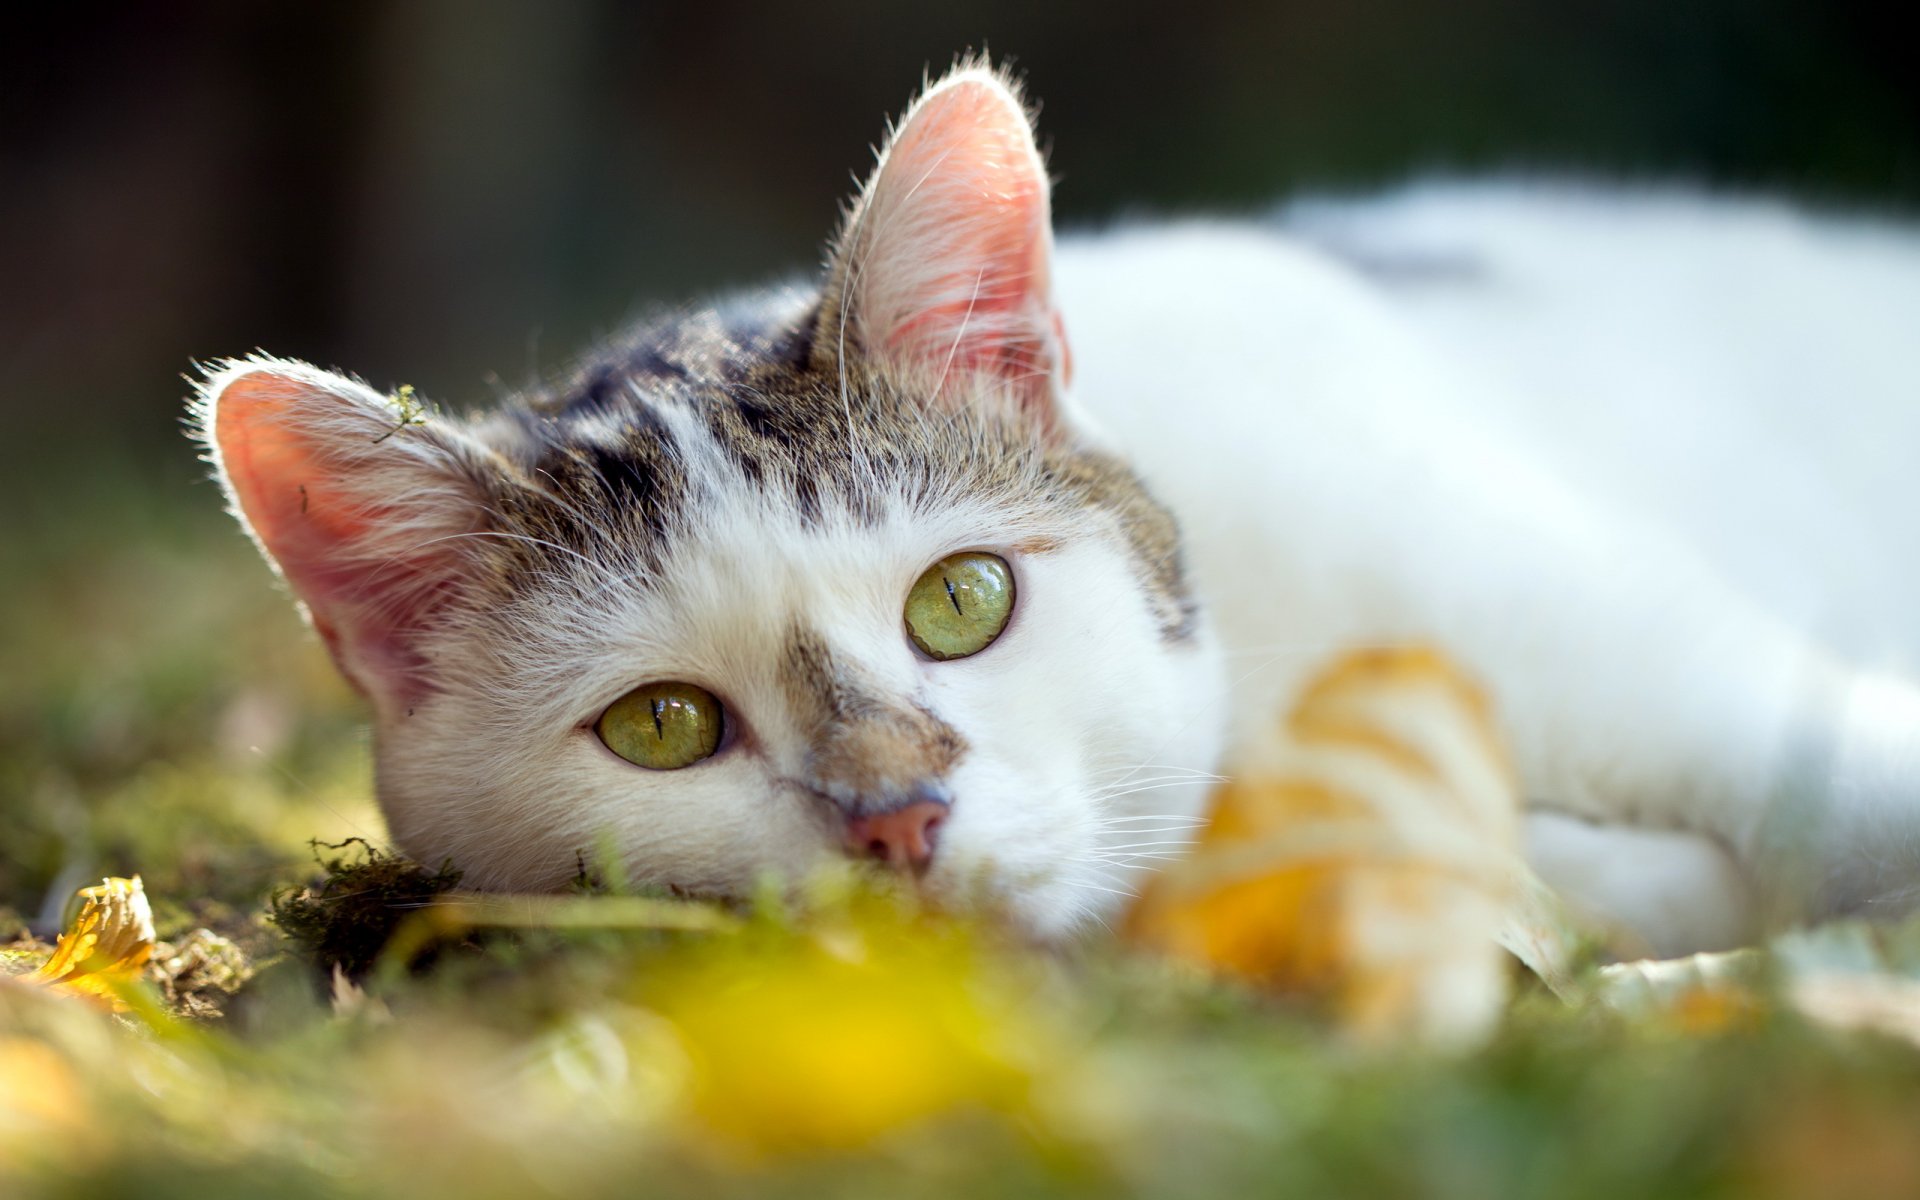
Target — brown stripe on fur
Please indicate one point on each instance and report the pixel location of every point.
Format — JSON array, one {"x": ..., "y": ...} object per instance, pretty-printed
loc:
[
  {"x": 869, "y": 751},
  {"x": 1037, "y": 545},
  {"x": 1106, "y": 483},
  {"x": 794, "y": 424}
]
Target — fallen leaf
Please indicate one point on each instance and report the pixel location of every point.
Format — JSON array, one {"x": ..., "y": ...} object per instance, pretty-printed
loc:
[
  {"x": 106, "y": 947},
  {"x": 1365, "y": 859}
]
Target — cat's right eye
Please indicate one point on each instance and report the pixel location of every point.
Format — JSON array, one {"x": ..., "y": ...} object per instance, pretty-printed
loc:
[{"x": 663, "y": 726}]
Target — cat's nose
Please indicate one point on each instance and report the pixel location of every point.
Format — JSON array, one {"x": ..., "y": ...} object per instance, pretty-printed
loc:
[{"x": 903, "y": 838}]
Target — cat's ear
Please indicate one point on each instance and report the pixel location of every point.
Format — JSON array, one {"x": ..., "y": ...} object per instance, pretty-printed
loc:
[
  {"x": 943, "y": 269},
  {"x": 359, "y": 500}
]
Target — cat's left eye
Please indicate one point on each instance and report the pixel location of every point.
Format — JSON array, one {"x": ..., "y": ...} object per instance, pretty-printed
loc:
[
  {"x": 959, "y": 605},
  {"x": 663, "y": 726}
]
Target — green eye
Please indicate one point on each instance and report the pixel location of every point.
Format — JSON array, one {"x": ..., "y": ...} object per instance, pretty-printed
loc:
[
  {"x": 960, "y": 605},
  {"x": 662, "y": 726}
]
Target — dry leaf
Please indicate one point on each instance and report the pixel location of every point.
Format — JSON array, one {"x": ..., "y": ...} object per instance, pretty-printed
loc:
[
  {"x": 1365, "y": 859},
  {"x": 107, "y": 945},
  {"x": 350, "y": 1000}
]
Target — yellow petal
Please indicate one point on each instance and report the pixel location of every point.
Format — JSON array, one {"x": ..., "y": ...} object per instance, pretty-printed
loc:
[
  {"x": 1362, "y": 859},
  {"x": 106, "y": 947}
]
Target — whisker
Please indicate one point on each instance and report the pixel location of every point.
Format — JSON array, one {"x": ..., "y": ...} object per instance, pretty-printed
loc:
[
  {"x": 1081, "y": 883},
  {"x": 1181, "y": 776},
  {"x": 1160, "y": 785},
  {"x": 1147, "y": 766},
  {"x": 1118, "y": 865}
]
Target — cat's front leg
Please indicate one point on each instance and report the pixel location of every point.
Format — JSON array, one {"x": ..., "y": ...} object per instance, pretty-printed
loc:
[
  {"x": 1644, "y": 694},
  {"x": 1657, "y": 892},
  {"x": 1837, "y": 832},
  {"x": 1714, "y": 772}
]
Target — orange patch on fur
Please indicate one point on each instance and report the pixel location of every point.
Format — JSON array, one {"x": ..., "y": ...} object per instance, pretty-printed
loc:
[{"x": 1365, "y": 864}]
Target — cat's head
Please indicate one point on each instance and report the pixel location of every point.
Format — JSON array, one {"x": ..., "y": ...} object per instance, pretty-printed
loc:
[{"x": 838, "y": 570}]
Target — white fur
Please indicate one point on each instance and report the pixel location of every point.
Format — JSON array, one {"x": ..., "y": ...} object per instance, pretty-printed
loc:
[{"x": 1640, "y": 460}]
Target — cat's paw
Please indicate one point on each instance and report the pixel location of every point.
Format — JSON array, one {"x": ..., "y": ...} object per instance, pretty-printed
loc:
[{"x": 1363, "y": 858}]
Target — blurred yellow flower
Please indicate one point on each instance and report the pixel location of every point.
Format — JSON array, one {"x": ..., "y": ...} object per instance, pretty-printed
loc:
[
  {"x": 1364, "y": 859},
  {"x": 830, "y": 1041}
]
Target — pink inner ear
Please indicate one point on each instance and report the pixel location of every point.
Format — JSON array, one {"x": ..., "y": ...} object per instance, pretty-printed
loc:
[
  {"x": 954, "y": 256},
  {"x": 307, "y": 483}
]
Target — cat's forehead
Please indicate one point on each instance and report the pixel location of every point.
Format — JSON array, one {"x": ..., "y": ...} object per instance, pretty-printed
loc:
[
  {"x": 772, "y": 483},
  {"x": 697, "y": 415},
  {"x": 715, "y": 445}
]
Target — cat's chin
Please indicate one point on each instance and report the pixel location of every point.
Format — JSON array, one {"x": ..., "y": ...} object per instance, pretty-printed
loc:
[{"x": 1048, "y": 911}]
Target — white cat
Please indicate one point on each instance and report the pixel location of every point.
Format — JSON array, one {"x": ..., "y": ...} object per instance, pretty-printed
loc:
[{"x": 868, "y": 566}]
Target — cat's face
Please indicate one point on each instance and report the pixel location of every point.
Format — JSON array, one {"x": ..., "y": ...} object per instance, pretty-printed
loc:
[{"x": 735, "y": 514}]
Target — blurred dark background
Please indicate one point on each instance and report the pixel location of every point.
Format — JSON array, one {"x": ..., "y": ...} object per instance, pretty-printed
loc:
[{"x": 459, "y": 194}]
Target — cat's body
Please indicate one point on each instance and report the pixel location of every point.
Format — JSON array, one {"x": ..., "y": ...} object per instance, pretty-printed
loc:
[
  {"x": 1455, "y": 417},
  {"x": 1635, "y": 457}
]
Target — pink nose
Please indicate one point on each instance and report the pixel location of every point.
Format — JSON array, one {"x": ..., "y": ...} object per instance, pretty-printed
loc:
[{"x": 903, "y": 839}]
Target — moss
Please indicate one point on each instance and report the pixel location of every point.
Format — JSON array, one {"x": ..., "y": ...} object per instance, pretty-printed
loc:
[
  {"x": 197, "y": 973},
  {"x": 346, "y": 918},
  {"x": 407, "y": 408}
]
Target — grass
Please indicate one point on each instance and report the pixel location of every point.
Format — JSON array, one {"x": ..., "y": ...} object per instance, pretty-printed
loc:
[{"x": 165, "y": 714}]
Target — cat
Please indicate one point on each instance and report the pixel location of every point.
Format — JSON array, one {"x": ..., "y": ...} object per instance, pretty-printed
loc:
[{"x": 979, "y": 555}]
